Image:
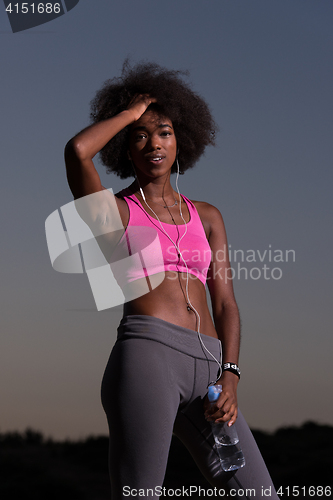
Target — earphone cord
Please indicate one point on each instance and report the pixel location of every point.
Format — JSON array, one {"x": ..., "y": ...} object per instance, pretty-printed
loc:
[
  {"x": 219, "y": 363},
  {"x": 176, "y": 245}
]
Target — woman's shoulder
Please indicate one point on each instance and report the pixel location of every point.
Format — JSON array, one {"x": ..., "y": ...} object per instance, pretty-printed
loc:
[
  {"x": 126, "y": 192},
  {"x": 122, "y": 205},
  {"x": 207, "y": 210},
  {"x": 210, "y": 216}
]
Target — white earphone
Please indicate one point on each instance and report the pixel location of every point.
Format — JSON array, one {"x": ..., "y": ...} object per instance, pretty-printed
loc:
[{"x": 219, "y": 363}]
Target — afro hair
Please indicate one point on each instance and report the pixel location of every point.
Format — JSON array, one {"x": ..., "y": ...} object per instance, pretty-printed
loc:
[{"x": 191, "y": 118}]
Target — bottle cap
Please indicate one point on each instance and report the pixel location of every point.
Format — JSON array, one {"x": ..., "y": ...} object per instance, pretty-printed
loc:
[{"x": 213, "y": 392}]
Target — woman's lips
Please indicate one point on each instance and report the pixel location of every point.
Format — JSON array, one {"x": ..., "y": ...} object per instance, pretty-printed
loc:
[{"x": 155, "y": 160}]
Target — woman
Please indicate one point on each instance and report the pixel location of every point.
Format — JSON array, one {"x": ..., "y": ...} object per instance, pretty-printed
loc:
[{"x": 147, "y": 125}]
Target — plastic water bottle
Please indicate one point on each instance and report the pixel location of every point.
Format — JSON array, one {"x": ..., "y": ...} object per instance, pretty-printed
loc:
[{"x": 226, "y": 438}]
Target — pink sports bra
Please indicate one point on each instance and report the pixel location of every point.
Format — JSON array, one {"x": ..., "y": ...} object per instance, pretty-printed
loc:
[{"x": 154, "y": 251}]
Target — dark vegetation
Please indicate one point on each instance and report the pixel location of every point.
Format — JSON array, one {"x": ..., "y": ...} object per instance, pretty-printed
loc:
[{"x": 33, "y": 468}]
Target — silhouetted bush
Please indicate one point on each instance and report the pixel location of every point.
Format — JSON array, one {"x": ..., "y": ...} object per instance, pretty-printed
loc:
[{"x": 32, "y": 468}]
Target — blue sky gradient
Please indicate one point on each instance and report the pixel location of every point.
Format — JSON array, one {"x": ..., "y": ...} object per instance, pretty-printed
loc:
[{"x": 265, "y": 68}]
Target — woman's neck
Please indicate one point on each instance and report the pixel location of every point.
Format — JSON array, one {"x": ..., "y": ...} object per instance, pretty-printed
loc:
[{"x": 154, "y": 190}]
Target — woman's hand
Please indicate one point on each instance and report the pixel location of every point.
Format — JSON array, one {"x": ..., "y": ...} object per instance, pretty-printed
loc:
[
  {"x": 225, "y": 408},
  {"x": 139, "y": 104}
]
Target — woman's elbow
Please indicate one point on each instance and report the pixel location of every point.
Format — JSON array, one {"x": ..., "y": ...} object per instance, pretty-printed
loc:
[{"x": 75, "y": 149}]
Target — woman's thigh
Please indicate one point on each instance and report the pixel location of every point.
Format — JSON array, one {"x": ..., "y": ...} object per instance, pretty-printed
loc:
[
  {"x": 141, "y": 399},
  {"x": 253, "y": 479},
  {"x": 191, "y": 427}
]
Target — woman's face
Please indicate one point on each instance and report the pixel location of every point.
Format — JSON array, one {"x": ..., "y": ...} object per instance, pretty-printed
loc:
[{"x": 153, "y": 145}]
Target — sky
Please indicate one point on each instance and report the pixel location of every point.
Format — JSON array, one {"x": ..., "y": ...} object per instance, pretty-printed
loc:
[{"x": 265, "y": 69}]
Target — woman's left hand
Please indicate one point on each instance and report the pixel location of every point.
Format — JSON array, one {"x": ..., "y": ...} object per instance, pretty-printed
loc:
[{"x": 225, "y": 408}]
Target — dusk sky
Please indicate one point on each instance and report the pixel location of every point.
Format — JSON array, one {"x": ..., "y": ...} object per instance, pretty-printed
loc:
[{"x": 265, "y": 69}]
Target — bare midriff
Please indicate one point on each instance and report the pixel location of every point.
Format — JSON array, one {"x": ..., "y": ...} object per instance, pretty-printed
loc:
[{"x": 168, "y": 302}]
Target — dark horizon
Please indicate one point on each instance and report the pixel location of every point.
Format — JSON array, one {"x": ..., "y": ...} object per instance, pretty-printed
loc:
[{"x": 78, "y": 470}]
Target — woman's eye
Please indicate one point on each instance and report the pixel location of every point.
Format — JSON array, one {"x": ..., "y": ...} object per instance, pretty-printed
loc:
[{"x": 166, "y": 133}]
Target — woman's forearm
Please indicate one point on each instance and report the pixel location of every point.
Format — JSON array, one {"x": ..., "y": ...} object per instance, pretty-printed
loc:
[
  {"x": 87, "y": 143},
  {"x": 82, "y": 176},
  {"x": 227, "y": 324}
]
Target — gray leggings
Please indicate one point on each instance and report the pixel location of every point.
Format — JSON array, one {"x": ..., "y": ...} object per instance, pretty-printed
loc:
[{"x": 154, "y": 385}]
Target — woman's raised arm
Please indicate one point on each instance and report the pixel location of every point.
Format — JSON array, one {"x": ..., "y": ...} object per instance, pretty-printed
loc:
[{"x": 83, "y": 178}]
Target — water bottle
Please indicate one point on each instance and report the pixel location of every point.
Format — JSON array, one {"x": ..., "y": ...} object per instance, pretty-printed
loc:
[{"x": 226, "y": 438}]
